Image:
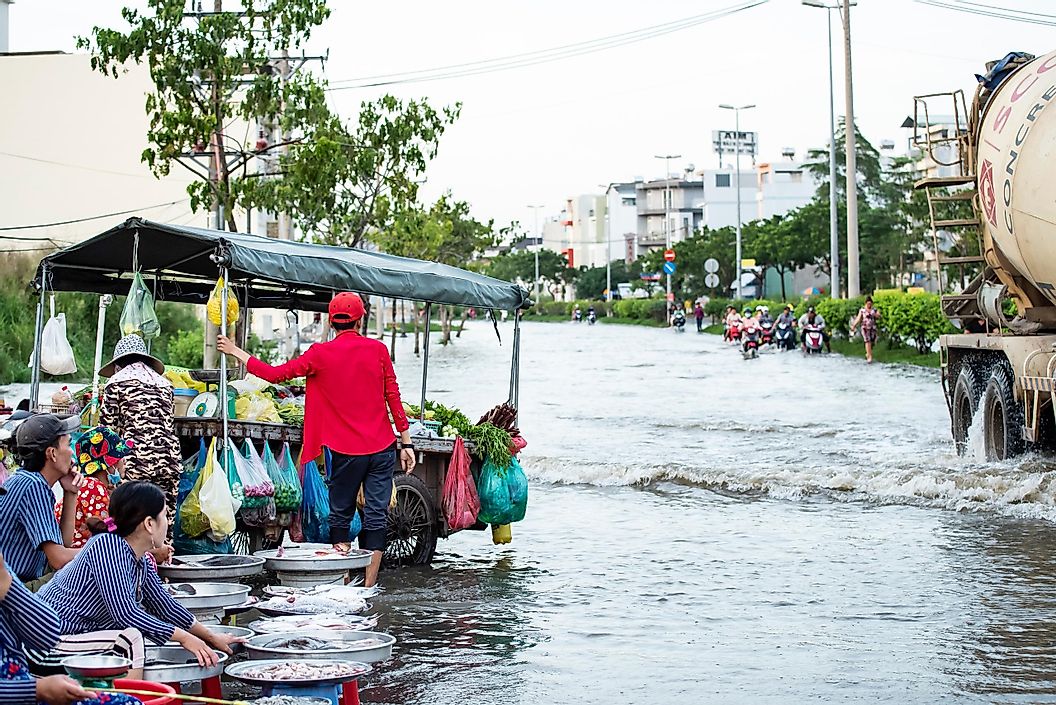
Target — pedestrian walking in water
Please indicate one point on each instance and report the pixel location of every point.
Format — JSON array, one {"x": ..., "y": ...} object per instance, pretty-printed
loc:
[
  {"x": 698, "y": 313},
  {"x": 867, "y": 317}
]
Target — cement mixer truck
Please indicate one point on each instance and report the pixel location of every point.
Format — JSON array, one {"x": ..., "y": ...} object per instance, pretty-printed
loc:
[{"x": 991, "y": 187}]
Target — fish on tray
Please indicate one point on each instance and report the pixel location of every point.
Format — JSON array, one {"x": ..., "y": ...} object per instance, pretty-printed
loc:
[
  {"x": 176, "y": 589},
  {"x": 333, "y": 622},
  {"x": 300, "y": 643},
  {"x": 314, "y": 604},
  {"x": 301, "y": 671}
]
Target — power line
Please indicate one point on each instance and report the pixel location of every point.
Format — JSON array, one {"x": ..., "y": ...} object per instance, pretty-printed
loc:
[
  {"x": 1007, "y": 9},
  {"x": 75, "y": 166},
  {"x": 514, "y": 61},
  {"x": 83, "y": 220},
  {"x": 993, "y": 12}
]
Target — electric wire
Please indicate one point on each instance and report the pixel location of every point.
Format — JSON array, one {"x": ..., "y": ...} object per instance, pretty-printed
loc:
[
  {"x": 542, "y": 56},
  {"x": 8, "y": 228},
  {"x": 995, "y": 13}
]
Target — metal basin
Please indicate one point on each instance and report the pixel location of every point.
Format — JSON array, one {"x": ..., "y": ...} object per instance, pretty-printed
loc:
[
  {"x": 356, "y": 670},
  {"x": 175, "y": 664},
  {"x": 96, "y": 666},
  {"x": 214, "y": 568},
  {"x": 365, "y": 647},
  {"x": 312, "y": 623},
  {"x": 210, "y": 596},
  {"x": 243, "y": 632},
  {"x": 314, "y": 558}
]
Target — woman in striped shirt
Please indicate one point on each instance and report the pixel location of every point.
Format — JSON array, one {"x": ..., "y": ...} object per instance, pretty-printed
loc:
[{"x": 113, "y": 588}]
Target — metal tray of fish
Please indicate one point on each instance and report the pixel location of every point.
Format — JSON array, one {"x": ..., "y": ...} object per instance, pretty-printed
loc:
[
  {"x": 204, "y": 596},
  {"x": 175, "y": 664},
  {"x": 314, "y": 557},
  {"x": 367, "y": 647},
  {"x": 352, "y": 588},
  {"x": 311, "y": 604},
  {"x": 211, "y": 568},
  {"x": 297, "y": 671},
  {"x": 314, "y": 623}
]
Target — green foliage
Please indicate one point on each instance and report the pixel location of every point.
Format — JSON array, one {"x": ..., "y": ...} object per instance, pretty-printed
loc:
[
  {"x": 691, "y": 254},
  {"x": 519, "y": 266},
  {"x": 641, "y": 309},
  {"x": 838, "y": 313},
  {"x": 264, "y": 350},
  {"x": 590, "y": 283},
  {"x": 185, "y": 348},
  {"x": 912, "y": 317}
]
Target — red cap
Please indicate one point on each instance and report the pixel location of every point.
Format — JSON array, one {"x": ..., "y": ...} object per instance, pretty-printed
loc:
[{"x": 346, "y": 307}]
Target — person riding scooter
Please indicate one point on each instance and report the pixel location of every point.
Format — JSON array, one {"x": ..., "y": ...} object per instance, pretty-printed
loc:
[
  {"x": 592, "y": 316},
  {"x": 577, "y": 315},
  {"x": 752, "y": 331},
  {"x": 678, "y": 319},
  {"x": 732, "y": 322},
  {"x": 784, "y": 330},
  {"x": 813, "y": 319}
]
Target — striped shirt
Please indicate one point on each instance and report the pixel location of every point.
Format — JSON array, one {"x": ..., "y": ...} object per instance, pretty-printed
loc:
[
  {"x": 107, "y": 587},
  {"x": 27, "y": 523},
  {"x": 24, "y": 619}
]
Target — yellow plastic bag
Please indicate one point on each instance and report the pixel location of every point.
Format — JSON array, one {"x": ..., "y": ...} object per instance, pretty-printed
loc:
[
  {"x": 214, "y": 306},
  {"x": 501, "y": 534},
  {"x": 215, "y": 497},
  {"x": 193, "y": 522}
]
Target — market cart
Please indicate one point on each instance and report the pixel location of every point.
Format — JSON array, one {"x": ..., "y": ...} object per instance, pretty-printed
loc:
[{"x": 182, "y": 264}]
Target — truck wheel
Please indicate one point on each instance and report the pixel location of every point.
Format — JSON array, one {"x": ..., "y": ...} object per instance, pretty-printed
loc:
[
  {"x": 1002, "y": 417},
  {"x": 966, "y": 394},
  {"x": 411, "y": 536}
]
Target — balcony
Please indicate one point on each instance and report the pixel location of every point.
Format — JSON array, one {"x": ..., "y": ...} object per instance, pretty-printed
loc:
[{"x": 652, "y": 240}]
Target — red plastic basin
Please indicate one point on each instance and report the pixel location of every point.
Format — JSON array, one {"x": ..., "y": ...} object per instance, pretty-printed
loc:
[{"x": 163, "y": 691}]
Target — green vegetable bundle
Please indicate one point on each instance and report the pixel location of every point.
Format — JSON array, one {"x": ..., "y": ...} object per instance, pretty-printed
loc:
[{"x": 492, "y": 443}]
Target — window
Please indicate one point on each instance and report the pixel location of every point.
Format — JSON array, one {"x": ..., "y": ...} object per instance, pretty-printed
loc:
[
  {"x": 796, "y": 177},
  {"x": 629, "y": 201},
  {"x": 722, "y": 181}
]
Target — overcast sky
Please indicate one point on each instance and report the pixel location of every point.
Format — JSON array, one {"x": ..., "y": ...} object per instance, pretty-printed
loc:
[{"x": 541, "y": 134}]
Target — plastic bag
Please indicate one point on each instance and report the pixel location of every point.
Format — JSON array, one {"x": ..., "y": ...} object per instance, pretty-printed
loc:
[
  {"x": 215, "y": 305},
  {"x": 503, "y": 493},
  {"x": 56, "y": 355},
  {"x": 258, "y": 506},
  {"x": 254, "y": 406},
  {"x": 234, "y": 480},
  {"x": 138, "y": 316},
  {"x": 315, "y": 507},
  {"x": 190, "y": 518},
  {"x": 283, "y": 475},
  {"x": 215, "y": 498},
  {"x": 459, "y": 500}
]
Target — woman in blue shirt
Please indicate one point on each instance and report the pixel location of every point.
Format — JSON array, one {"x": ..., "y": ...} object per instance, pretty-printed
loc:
[{"x": 113, "y": 588}]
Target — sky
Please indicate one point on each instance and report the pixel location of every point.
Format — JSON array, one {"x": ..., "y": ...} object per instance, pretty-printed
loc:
[{"x": 545, "y": 133}]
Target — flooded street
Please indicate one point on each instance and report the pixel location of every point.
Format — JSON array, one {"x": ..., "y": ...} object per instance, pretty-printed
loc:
[{"x": 706, "y": 529}]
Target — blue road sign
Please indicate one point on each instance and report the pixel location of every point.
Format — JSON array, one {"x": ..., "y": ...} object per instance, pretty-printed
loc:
[{"x": 669, "y": 267}]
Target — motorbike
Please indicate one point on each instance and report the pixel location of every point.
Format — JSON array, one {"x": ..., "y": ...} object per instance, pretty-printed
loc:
[
  {"x": 813, "y": 340},
  {"x": 678, "y": 320},
  {"x": 592, "y": 317},
  {"x": 766, "y": 333},
  {"x": 732, "y": 333},
  {"x": 577, "y": 315},
  {"x": 750, "y": 346},
  {"x": 785, "y": 337}
]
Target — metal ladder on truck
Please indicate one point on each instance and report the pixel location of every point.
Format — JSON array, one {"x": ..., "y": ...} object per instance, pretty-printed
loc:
[{"x": 950, "y": 147}]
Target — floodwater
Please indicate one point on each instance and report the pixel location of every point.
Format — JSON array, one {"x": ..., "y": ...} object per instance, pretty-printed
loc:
[{"x": 705, "y": 529}]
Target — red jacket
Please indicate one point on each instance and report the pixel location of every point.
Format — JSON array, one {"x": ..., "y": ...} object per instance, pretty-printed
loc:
[{"x": 349, "y": 382}]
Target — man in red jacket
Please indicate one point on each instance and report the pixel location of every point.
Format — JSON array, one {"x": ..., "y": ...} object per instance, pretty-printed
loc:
[{"x": 350, "y": 390}]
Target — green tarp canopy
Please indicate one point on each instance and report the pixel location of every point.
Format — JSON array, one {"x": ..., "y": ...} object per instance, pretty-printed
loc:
[{"x": 181, "y": 262}]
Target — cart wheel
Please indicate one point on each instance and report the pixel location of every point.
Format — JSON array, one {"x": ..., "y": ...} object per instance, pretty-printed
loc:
[{"x": 411, "y": 536}]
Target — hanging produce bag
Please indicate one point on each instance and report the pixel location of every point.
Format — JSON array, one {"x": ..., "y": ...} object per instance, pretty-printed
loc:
[
  {"x": 184, "y": 544},
  {"x": 283, "y": 475},
  {"x": 56, "y": 355},
  {"x": 138, "y": 316},
  {"x": 459, "y": 500},
  {"x": 258, "y": 507},
  {"x": 191, "y": 519},
  {"x": 503, "y": 493},
  {"x": 215, "y": 306},
  {"x": 234, "y": 480},
  {"x": 315, "y": 507},
  {"x": 215, "y": 498}
]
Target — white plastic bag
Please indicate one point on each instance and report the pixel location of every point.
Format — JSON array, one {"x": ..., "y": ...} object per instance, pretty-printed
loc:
[
  {"x": 56, "y": 355},
  {"x": 216, "y": 500}
]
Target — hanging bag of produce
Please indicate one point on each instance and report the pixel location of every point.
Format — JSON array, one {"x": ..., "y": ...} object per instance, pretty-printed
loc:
[
  {"x": 215, "y": 305},
  {"x": 258, "y": 506},
  {"x": 234, "y": 479},
  {"x": 496, "y": 506},
  {"x": 315, "y": 508},
  {"x": 287, "y": 487},
  {"x": 215, "y": 498},
  {"x": 56, "y": 355},
  {"x": 138, "y": 316},
  {"x": 459, "y": 501},
  {"x": 192, "y": 520},
  {"x": 517, "y": 484}
]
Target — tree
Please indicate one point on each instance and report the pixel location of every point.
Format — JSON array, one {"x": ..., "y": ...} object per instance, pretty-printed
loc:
[
  {"x": 519, "y": 266},
  {"x": 690, "y": 256},
  {"x": 211, "y": 69},
  {"x": 590, "y": 284},
  {"x": 778, "y": 244}
]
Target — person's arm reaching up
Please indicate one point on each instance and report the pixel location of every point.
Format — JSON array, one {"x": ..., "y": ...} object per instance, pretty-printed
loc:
[{"x": 298, "y": 367}]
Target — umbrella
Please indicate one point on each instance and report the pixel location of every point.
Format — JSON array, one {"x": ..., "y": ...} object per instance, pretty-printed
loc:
[{"x": 812, "y": 291}]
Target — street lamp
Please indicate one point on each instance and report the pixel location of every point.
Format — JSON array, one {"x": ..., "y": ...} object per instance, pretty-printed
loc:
[
  {"x": 667, "y": 211},
  {"x": 608, "y": 249},
  {"x": 834, "y": 232},
  {"x": 538, "y": 246},
  {"x": 737, "y": 152}
]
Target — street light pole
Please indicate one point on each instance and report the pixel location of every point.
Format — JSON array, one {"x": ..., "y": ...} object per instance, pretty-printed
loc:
[
  {"x": 608, "y": 250},
  {"x": 834, "y": 228},
  {"x": 538, "y": 246},
  {"x": 667, "y": 212},
  {"x": 737, "y": 150},
  {"x": 853, "y": 285}
]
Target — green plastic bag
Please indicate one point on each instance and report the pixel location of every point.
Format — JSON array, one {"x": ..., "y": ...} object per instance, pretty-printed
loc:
[
  {"x": 138, "y": 316},
  {"x": 503, "y": 493}
]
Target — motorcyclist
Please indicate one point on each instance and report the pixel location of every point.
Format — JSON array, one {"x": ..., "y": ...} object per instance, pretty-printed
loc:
[
  {"x": 816, "y": 320},
  {"x": 577, "y": 315},
  {"x": 750, "y": 325},
  {"x": 785, "y": 318},
  {"x": 732, "y": 320},
  {"x": 764, "y": 315},
  {"x": 592, "y": 314}
]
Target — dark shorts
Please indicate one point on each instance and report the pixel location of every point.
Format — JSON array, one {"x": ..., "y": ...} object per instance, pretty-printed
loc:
[{"x": 348, "y": 473}]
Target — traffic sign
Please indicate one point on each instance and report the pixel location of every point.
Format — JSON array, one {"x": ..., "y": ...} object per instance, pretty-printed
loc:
[
  {"x": 669, "y": 267},
  {"x": 711, "y": 280},
  {"x": 711, "y": 265},
  {"x": 747, "y": 263},
  {"x": 669, "y": 255}
]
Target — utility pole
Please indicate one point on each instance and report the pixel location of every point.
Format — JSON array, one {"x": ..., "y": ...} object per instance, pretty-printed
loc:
[
  {"x": 667, "y": 217},
  {"x": 210, "y": 356},
  {"x": 737, "y": 161},
  {"x": 853, "y": 284},
  {"x": 284, "y": 226},
  {"x": 834, "y": 228},
  {"x": 608, "y": 248},
  {"x": 538, "y": 246}
]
